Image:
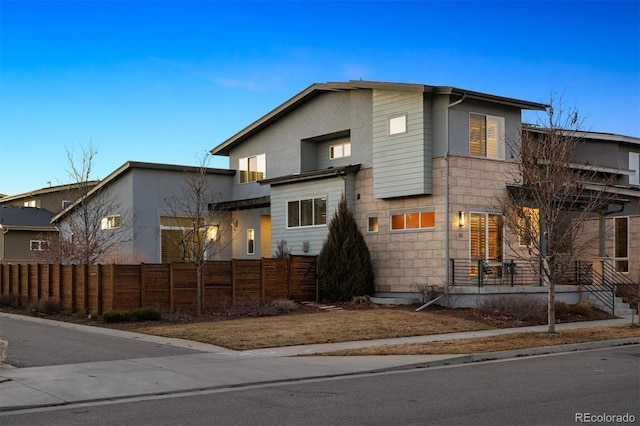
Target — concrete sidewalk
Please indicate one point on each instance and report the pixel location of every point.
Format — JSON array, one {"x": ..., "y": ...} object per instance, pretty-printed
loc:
[{"x": 216, "y": 368}]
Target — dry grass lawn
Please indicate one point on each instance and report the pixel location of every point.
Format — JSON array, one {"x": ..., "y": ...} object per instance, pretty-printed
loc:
[
  {"x": 370, "y": 324},
  {"x": 310, "y": 328}
]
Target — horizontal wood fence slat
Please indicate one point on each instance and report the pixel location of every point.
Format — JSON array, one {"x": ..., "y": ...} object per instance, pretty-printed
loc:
[{"x": 100, "y": 288}]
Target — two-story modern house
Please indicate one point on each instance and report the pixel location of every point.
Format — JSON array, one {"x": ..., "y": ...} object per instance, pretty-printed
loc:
[{"x": 420, "y": 167}]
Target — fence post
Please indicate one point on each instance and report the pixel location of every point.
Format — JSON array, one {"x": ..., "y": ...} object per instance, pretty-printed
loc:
[
  {"x": 142, "y": 285},
  {"x": 233, "y": 282},
  {"x": 262, "y": 279},
  {"x": 113, "y": 286},
  {"x": 99, "y": 289},
  {"x": 171, "y": 297},
  {"x": 85, "y": 278}
]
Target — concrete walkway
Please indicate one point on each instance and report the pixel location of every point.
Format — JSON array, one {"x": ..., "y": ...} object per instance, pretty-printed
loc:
[{"x": 216, "y": 367}]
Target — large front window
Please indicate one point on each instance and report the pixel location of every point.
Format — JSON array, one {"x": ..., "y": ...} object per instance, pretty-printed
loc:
[
  {"x": 253, "y": 168},
  {"x": 307, "y": 212},
  {"x": 181, "y": 239},
  {"x": 486, "y": 136}
]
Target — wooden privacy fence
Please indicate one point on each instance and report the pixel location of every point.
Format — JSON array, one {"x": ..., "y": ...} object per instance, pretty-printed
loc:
[{"x": 101, "y": 288}]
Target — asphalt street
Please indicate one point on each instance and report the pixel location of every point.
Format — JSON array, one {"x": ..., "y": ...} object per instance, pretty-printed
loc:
[
  {"x": 540, "y": 390},
  {"x": 34, "y": 343}
]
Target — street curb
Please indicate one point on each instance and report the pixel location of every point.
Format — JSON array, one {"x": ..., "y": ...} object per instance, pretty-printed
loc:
[{"x": 519, "y": 353}]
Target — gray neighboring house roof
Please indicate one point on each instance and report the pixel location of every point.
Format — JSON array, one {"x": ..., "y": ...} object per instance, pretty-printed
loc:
[
  {"x": 42, "y": 191},
  {"x": 129, "y": 165},
  {"x": 318, "y": 88},
  {"x": 16, "y": 217}
]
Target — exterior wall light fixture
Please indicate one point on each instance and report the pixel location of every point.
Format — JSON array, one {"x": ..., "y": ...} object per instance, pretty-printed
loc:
[{"x": 461, "y": 219}]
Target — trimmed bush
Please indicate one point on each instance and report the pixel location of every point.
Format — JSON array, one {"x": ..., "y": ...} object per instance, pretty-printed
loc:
[
  {"x": 116, "y": 316},
  {"x": 522, "y": 307},
  {"x": 147, "y": 314},
  {"x": 344, "y": 264},
  {"x": 46, "y": 305},
  {"x": 12, "y": 301}
]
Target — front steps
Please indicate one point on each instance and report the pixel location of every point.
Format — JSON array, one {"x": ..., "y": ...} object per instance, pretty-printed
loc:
[{"x": 621, "y": 309}]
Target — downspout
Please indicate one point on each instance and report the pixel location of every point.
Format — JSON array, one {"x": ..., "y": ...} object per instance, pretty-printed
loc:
[{"x": 446, "y": 190}]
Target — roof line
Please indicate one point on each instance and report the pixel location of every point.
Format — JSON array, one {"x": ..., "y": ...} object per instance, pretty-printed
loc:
[
  {"x": 136, "y": 165},
  {"x": 316, "y": 88}
]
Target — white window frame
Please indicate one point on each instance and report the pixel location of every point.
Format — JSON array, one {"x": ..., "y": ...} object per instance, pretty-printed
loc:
[
  {"x": 245, "y": 169},
  {"x": 315, "y": 223},
  {"x": 30, "y": 203},
  {"x": 340, "y": 150},
  {"x": 397, "y": 124},
  {"x": 634, "y": 164},
  {"x": 497, "y": 151},
  {"x": 251, "y": 241},
  {"x": 486, "y": 230},
  {"x": 110, "y": 222},
  {"x": 37, "y": 245},
  {"x": 372, "y": 224}
]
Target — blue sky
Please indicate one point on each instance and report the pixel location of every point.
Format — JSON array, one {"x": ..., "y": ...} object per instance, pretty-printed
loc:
[{"x": 164, "y": 81}]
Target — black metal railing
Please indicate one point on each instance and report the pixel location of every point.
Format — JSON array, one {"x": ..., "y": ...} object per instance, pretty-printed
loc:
[
  {"x": 483, "y": 272},
  {"x": 618, "y": 282}
]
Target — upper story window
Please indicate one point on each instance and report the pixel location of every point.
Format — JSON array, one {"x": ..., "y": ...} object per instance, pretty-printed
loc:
[
  {"x": 634, "y": 165},
  {"x": 340, "y": 150},
  {"x": 30, "y": 203},
  {"x": 37, "y": 245},
  {"x": 413, "y": 220},
  {"x": 253, "y": 168},
  {"x": 307, "y": 212},
  {"x": 398, "y": 125},
  {"x": 486, "y": 136},
  {"x": 110, "y": 222}
]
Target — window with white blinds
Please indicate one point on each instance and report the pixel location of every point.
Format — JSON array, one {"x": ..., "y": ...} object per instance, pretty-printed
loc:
[
  {"x": 486, "y": 136},
  {"x": 486, "y": 236}
]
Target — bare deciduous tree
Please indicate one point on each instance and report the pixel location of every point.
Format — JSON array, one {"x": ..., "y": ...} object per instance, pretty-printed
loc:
[
  {"x": 553, "y": 197},
  {"x": 94, "y": 226},
  {"x": 204, "y": 221}
]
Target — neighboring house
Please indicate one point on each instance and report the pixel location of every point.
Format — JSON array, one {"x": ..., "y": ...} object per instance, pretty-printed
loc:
[
  {"x": 53, "y": 198},
  {"x": 421, "y": 168},
  {"x": 24, "y": 233},
  {"x": 132, "y": 205},
  {"x": 617, "y": 156}
]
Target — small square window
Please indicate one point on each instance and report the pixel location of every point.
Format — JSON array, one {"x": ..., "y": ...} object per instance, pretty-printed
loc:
[
  {"x": 340, "y": 151},
  {"x": 372, "y": 224},
  {"x": 110, "y": 222},
  {"x": 37, "y": 245},
  {"x": 398, "y": 125}
]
